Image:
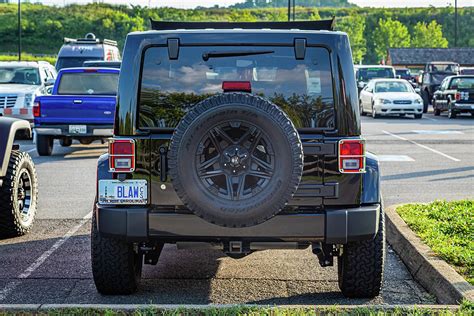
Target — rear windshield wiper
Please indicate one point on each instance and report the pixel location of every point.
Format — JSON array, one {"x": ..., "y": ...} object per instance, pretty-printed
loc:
[{"x": 208, "y": 55}]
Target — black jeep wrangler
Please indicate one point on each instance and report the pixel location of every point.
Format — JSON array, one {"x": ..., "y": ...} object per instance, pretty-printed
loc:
[{"x": 241, "y": 136}]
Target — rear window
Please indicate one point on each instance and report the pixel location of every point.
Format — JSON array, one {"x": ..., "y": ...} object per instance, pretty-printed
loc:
[
  {"x": 88, "y": 83},
  {"x": 462, "y": 83},
  {"x": 302, "y": 88},
  {"x": 366, "y": 74},
  {"x": 70, "y": 62}
]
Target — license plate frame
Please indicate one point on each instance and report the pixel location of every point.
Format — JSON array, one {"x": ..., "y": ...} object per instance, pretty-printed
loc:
[
  {"x": 127, "y": 192},
  {"x": 77, "y": 129}
]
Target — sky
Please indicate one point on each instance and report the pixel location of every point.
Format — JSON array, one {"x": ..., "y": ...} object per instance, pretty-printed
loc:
[{"x": 210, "y": 3}]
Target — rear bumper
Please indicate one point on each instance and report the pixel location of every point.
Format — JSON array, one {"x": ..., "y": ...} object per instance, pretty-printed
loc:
[
  {"x": 336, "y": 226},
  {"x": 97, "y": 130},
  {"x": 463, "y": 107}
]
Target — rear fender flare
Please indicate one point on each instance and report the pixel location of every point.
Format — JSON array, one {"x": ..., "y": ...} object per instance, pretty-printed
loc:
[
  {"x": 8, "y": 128},
  {"x": 371, "y": 181}
]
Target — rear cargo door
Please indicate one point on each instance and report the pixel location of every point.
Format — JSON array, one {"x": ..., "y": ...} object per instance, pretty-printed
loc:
[{"x": 298, "y": 81}]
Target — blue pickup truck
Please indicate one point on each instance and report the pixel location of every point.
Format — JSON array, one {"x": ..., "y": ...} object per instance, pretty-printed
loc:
[{"x": 81, "y": 106}]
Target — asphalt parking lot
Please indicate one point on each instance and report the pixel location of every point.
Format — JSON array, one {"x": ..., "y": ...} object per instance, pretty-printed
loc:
[{"x": 422, "y": 160}]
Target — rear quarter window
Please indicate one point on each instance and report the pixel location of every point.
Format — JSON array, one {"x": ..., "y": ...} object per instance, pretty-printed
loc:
[
  {"x": 88, "y": 83},
  {"x": 302, "y": 88}
]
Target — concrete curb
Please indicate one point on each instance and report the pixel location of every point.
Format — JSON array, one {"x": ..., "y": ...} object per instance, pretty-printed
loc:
[
  {"x": 135, "y": 307},
  {"x": 433, "y": 273}
]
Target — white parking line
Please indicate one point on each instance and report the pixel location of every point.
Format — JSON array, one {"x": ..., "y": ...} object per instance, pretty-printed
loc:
[
  {"x": 31, "y": 150},
  {"x": 38, "y": 262},
  {"x": 422, "y": 146},
  {"x": 430, "y": 118},
  {"x": 435, "y": 132},
  {"x": 394, "y": 158}
]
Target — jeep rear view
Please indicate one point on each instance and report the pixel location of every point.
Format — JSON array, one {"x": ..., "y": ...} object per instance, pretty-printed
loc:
[{"x": 240, "y": 137}]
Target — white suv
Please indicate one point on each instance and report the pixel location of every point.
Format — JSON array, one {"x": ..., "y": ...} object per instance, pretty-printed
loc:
[{"x": 20, "y": 83}]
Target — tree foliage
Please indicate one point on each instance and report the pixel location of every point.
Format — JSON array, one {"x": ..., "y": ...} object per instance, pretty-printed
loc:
[
  {"x": 390, "y": 33},
  {"x": 43, "y": 27},
  {"x": 428, "y": 35}
]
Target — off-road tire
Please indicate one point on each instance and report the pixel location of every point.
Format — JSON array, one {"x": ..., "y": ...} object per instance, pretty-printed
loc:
[
  {"x": 426, "y": 100},
  {"x": 65, "y": 142},
  {"x": 116, "y": 267},
  {"x": 44, "y": 145},
  {"x": 244, "y": 108},
  {"x": 11, "y": 222},
  {"x": 360, "y": 268}
]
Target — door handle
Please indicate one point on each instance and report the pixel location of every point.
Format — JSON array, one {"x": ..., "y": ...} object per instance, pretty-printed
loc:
[{"x": 77, "y": 101}]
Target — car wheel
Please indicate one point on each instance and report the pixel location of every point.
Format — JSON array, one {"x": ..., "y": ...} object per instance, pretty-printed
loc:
[
  {"x": 437, "y": 112},
  {"x": 44, "y": 145},
  {"x": 374, "y": 113},
  {"x": 418, "y": 116},
  {"x": 451, "y": 113},
  {"x": 116, "y": 263},
  {"x": 361, "y": 109},
  {"x": 18, "y": 196},
  {"x": 426, "y": 100},
  {"x": 245, "y": 159},
  {"x": 360, "y": 267},
  {"x": 65, "y": 142},
  {"x": 85, "y": 141}
]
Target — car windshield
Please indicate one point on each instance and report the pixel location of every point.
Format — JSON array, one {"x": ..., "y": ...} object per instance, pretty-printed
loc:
[
  {"x": 366, "y": 74},
  {"x": 88, "y": 83},
  {"x": 462, "y": 83},
  {"x": 443, "y": 68},
  {"x": 69, "y": 62},
  {"x": 389, "y": 86},
  {"x": 20, "y": 75}
]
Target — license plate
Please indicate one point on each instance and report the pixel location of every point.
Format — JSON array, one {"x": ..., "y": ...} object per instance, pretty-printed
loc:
[
  {"x": 77, "y": 129},
  {"x": 123, "y": 192}
]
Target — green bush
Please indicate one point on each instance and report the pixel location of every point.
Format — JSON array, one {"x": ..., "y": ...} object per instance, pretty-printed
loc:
[
  {"x": 28, "y": 57},
  {"x": 448, "y": 229}
]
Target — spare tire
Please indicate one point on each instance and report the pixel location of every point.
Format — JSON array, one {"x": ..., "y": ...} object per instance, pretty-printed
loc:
[{"x": 235, "y": 159}]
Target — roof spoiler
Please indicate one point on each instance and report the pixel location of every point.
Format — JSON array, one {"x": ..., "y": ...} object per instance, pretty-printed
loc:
[
  {"x": 68, "y": 40},
  {"x": 327, "y": 25}
]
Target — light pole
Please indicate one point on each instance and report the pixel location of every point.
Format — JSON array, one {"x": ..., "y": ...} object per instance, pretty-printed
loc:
[
  {"x": 289, "y": 10},
  {"x": 455, "y": 23},
  {"x": 19, "y": 30}
]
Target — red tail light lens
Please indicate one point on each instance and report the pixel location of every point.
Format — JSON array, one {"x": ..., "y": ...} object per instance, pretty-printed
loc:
[
  {"x": 243, "y": 86},
  {"x": 458, "y": 96},
  {"x": 36, "y": 109},
  {"x": 352, "y": 156},
  {"x": 121, "y": 155}
]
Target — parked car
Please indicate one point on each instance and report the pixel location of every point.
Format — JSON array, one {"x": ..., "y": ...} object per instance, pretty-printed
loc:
[
  {"x": 390, "y": 97},
  {"x": 75, "y": 52},
  {"x": 405, "y": 73},
  {"x": 432, "y": 76},
  {"x": 456, "y": 95},
  {"x": 20, "y": 83},
  {"x": 18, "y": 180},
  {"x": 102, "y": 64},
  {"x": 466, "y": 71},
  {"x": 365, "y": 73},
  {"x": 248, "y": 139},
  {"x": 81, "y": 107}
]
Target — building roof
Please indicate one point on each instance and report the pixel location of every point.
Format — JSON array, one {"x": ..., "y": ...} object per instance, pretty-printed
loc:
[{"x": 421, "y": 56}]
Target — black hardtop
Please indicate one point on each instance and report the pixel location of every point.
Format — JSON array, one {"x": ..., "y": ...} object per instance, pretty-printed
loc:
[{"x": 335, "y": 42}]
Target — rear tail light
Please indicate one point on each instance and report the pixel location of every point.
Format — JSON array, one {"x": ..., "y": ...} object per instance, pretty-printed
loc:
[
  {"x": 352, "y": 156},
  {"x": 458, "y": 96},
  {"x": 37, "y": 109},
  {"x": 242, "y": 86},
  {"x": 121, "y": 155}
]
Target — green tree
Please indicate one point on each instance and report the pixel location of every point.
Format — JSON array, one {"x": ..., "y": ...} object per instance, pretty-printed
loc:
[
  {"x": 428, "y": 35},
  {"x": 354, "y": 26},
  {"x": 390, "y": 33}
]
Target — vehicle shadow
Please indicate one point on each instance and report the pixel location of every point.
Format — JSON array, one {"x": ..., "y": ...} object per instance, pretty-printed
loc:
[{"x": 74, "y": 152}]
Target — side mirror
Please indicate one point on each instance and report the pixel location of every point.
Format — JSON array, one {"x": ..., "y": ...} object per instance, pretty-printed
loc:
[
  {"x": 361, "y": 84},
  {"x": 399, "y": 77},
  {"x": 49, "y": 82},
  {"x": 418, "y": 90}
]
